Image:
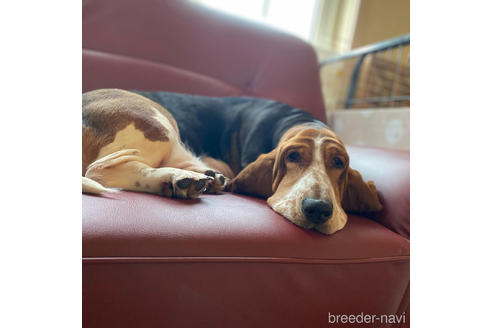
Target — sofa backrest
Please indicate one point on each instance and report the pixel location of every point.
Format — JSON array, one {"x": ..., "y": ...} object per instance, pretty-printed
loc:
[{"x": 178, "y": 46}]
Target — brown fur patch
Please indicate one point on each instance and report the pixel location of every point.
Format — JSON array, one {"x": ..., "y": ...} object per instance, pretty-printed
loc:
[
  {"x": 107, "y": 111},
  {"x": 309, "y": 131}
]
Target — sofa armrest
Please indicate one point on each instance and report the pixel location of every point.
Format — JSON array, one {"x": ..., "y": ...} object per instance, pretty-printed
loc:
[{"x": 390, "y": 170}]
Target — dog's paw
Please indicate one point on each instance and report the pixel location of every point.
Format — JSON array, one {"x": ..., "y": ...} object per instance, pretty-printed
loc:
[
  {"x": 218, "y": 183},
  {"x": 186, "y": 185}
]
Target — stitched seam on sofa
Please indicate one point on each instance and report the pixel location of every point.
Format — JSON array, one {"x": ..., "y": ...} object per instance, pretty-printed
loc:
[{"x": 224, "y": 259}]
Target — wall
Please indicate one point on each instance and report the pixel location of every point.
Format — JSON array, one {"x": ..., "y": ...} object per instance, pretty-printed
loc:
[
  {"x": 386, "y": 128},
  {"x": 381, "y": 19}
]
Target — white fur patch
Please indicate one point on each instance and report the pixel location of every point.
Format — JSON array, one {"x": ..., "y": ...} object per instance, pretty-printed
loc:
[{"x": 132, "y": 138}]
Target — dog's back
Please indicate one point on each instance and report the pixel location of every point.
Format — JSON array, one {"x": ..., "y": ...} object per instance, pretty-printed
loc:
[
  {"x": 206, "y": 135},
  {"x": 235, "y": 130}
]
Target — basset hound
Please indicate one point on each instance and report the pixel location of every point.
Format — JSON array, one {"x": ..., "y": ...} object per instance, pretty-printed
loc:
[{"x": 178, "y": 145}]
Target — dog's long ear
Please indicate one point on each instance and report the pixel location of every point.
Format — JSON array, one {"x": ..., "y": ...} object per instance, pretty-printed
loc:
[
  {"x": 360, "y": 196},
  {"x": 256, "y": 179}
]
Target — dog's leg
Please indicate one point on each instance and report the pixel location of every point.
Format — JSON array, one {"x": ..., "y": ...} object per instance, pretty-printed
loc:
[
  {"x": 184, "y": 159},
  {"x": 92, "y": 187},
  {"x": 218, "y": 165},
  {"x": 127, "y": 170}
]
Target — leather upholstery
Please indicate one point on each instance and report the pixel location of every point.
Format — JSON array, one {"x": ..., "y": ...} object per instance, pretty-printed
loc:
[
  {"x": 227, "y": 260},
  {"x": 237, "y": 57},
  {"x": 228, "y": 225},
  {"x": 391, "y": 171}
]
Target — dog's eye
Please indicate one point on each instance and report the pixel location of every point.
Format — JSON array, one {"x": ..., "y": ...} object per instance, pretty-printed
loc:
[
  {"x": 294, "y": 157},
  {"x": 337, "y": 162}
]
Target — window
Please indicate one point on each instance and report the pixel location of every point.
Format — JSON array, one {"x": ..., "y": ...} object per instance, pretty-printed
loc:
[{"x": 298, "y": 17}]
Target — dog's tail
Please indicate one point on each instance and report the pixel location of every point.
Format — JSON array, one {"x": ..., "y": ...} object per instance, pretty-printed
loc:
[{"x": 90, "y": 186}]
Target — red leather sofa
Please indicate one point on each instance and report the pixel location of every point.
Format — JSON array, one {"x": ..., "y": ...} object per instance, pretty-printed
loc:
[{"x": 228, "y": 260}]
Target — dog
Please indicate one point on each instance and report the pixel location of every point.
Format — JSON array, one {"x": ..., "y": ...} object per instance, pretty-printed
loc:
[{"x": 178, "y": 145}]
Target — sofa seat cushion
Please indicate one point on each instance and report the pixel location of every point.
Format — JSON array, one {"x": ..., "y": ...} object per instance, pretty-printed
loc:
[
  {"x": 230, "y": 261},
  {"x": 132, "y": 225}
]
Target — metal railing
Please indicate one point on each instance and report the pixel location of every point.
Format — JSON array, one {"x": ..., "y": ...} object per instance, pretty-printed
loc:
[{"x": 387, "y": 76}]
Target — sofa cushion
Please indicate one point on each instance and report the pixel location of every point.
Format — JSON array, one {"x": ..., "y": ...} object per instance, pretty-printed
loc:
[
  {"x": 127, "y": 225},
  {"x": 258, "y": 60},
  {"x": 230, "y": 261},
  {"x": 108, "y": 70}
]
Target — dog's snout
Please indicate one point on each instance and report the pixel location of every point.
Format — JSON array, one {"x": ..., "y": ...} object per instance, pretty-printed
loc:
[{"x": 316, "y": 210}]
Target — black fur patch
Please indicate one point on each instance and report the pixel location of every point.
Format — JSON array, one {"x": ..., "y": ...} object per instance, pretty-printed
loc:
[{"x": 235, "y": 130}]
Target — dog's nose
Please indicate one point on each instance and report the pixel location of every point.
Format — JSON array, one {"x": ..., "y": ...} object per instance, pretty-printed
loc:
[{"x": 316, "y": 210}]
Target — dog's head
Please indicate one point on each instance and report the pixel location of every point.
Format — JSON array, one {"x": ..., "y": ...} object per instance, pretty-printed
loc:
[{"x": 307, "y": 179}]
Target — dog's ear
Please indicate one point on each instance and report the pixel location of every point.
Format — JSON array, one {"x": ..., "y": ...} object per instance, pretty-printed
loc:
[
  {"x": 360, "y": 196},
  {"x": 256, "y": 179}
]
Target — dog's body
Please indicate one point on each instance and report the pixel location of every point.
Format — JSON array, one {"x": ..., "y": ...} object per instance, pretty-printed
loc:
[
  {"x": 235, "y": 130},
  {"x": 181, "y": 145}
]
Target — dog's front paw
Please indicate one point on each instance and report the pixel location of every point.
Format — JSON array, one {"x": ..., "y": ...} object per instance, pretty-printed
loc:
[
  {"x": 188, "y": 185},
  {"x": 218, "y": 183}
]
